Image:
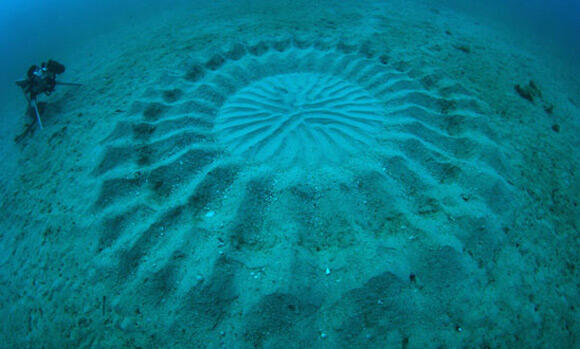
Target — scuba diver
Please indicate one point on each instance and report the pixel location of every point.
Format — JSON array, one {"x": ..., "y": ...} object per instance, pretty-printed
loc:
[{"x": 41, "y": 79}]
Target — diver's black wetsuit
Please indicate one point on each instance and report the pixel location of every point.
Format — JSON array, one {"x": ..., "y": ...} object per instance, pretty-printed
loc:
[{"x": 41, "y": 79}]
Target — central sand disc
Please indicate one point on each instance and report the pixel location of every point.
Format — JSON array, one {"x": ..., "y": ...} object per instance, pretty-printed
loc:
[{"x": 299, "y": 118}]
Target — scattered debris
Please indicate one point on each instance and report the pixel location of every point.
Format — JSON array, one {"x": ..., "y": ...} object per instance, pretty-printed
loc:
[
  {"x": 531, "y": 92},
  {"x": 528, "y": 92},
  {"x": 549, "y": 108},
  {"x": 463, "y": 48}
]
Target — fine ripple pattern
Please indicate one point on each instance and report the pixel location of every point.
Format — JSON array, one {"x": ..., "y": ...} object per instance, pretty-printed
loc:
[{"x": 299, "y": 117}]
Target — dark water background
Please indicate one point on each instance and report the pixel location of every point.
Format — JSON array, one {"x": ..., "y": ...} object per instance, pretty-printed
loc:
[
  {"x": 554, "y": 23},
  {"x": 35, "y": 30}
]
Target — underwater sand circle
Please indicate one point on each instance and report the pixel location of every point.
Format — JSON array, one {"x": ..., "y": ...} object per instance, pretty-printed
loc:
[
  {"x": 298, "y": 118},
  {"x": 181, "y": 195},
  {"x": 290, "y": 104}
]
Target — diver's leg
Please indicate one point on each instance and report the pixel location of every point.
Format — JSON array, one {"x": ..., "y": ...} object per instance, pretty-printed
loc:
[{"x": 35, "y": 107}]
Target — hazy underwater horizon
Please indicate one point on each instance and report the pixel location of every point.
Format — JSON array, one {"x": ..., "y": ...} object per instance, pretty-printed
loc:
[{"x": 290, "y": 174}]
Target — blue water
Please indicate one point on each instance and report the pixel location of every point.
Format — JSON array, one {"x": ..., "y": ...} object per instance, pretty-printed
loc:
[
  {"x": 292, "y": 174},
  {"x": 553, "y": 23},
  {"x": 32, "y": 30}
]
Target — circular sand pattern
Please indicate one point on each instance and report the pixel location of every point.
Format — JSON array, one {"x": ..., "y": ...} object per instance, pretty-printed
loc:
[
  {"x": 191, "y": 229},
  {"x": 298, "y": 118}
]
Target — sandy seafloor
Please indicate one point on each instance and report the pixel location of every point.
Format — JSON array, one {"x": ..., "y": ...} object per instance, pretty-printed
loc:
[{"x": 437, "y": 207}]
